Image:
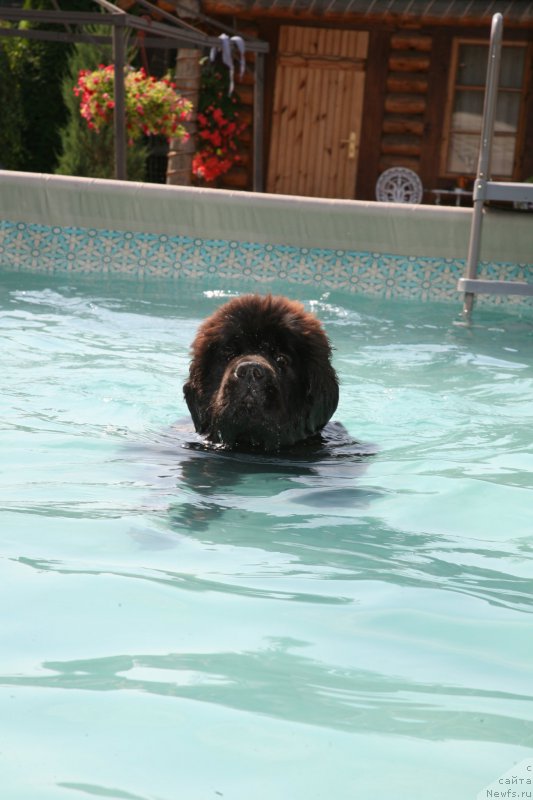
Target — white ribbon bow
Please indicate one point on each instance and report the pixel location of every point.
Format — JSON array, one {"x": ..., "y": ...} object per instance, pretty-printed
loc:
[{"x": 227, "y": 57}]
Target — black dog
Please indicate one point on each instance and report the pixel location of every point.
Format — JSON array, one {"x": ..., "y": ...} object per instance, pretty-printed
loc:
[{"x": 261, "y": 375}]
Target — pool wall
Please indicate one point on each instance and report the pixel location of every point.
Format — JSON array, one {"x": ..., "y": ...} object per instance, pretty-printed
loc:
[{"x": 51, "y": 224}]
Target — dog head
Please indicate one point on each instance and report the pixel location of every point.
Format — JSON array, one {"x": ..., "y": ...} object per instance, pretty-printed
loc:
[{"x": 261, "y": 374}]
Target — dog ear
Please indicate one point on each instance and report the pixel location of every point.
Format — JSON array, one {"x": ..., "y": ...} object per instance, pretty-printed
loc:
[
  {"x": 195, "y": 406},
  {"x": 322, "y": 397}
]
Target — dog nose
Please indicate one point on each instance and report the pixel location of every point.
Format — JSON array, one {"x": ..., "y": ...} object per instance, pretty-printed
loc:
[{"x": 250, "y": 371}]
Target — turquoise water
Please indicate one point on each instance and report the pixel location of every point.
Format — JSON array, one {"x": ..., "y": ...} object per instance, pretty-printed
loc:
[{"x": 186, "y": 625}]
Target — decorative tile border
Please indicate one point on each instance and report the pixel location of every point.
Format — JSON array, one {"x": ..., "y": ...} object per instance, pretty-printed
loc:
[{"x": 55, "y": 250}]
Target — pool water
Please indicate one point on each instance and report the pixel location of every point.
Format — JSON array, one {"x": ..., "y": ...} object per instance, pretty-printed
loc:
[{"x": 184, "y": 624}]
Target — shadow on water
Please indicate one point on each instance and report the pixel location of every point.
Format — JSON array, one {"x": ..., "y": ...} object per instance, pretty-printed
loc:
[
  {"x": 201, "y": 484},
  {"x": 102, "y": 791},
  {"x": 325, "y": 471},
  {"x": 314, "y": 507},
  {"x": 279, "y": 681},
  {"x": 350, "y": 552}
]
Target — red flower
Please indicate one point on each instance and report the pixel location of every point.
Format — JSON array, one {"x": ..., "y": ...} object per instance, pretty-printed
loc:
[
  {"x": 219, "y": 135},
  {"x": 152, "y": 107}
]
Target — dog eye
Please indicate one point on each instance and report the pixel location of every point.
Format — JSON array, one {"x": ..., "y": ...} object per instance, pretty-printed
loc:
[
  {"x": 227, "y": 354},
  {"x": 281, "y": 360}
]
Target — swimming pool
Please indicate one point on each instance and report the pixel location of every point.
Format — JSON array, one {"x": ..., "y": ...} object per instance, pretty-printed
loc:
[
  {"x": 79, "y": 226},
  {"x": 180, "y": 624}
]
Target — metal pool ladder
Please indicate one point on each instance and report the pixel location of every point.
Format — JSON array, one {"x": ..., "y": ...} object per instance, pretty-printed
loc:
[{"x": 486, "y": 189}]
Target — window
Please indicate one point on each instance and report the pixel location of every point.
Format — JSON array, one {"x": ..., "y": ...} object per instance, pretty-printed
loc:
[{"x": 465, "y": 111}]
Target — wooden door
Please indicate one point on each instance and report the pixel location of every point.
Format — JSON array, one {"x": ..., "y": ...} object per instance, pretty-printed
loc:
[{"x": 318, "y": 104}]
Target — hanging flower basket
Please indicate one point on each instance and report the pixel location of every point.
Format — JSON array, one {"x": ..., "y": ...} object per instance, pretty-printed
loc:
[
  {"x": 152, "y": 106},
  {"x": 219, "y": 125}
]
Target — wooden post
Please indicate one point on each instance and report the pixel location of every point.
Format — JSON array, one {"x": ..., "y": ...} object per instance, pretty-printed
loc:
[
  {"x": 180, "y": 154},
  {"x": 120, "y": 102},
  {"x": 187, "y": 79},
  {"x": 259, "y": 95}
]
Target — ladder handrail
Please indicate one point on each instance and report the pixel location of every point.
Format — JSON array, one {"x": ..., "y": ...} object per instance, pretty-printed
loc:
[
  {"x": 483, "y": 168},
  {"x": 503, "y": 190},
  {"x": 486, "y": 189}
]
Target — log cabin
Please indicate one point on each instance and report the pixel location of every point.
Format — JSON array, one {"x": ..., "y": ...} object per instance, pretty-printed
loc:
[{"x": 354, "y": 87}]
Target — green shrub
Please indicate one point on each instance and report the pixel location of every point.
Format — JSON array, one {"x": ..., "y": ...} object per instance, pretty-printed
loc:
[
  {"x": 85, "y": 152},
  {"x": 11, "y": 141}
]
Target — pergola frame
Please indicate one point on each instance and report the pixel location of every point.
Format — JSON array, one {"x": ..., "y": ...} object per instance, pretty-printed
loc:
[{"x": 161, "y": 35}]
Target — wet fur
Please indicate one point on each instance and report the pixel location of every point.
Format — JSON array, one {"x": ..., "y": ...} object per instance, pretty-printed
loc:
[{"x": 261, "y": 375}]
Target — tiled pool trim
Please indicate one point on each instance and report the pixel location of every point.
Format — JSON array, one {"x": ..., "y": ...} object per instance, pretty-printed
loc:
[{"x": 53, "y": 249}]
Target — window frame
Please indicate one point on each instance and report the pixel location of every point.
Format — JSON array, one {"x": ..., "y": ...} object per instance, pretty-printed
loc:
[{"x": 450, "y": 99}]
